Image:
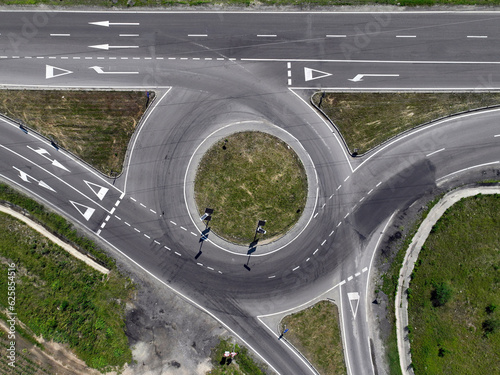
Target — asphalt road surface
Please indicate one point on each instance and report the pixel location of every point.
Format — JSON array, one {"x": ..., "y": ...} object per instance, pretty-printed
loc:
[{"x": 216, "y": 73}]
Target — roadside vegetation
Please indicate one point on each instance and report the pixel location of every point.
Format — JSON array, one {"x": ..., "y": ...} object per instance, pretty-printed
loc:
[
  {"x": 251, "y": 176},
  {"x": 315, "y": 332},
  {"x": 454, "y": 295},
  {"x": 400, "y": 241},
  {"x": 242, "y": 364},
  {"x": 365, "y": 120},
  {"x": 245, "y": 3},
  {"x": 94, "y": 125},
  {"x": 63, "y": 299},
  {"x": 59, "y": 296}
]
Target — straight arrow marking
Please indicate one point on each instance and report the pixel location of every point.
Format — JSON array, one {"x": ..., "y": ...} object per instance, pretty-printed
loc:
[
  {"x": 107, "y": 46},
  {"x": 44, "y": 185},
  {"x": 85, "y": 211},
  {"x": 108, "y": 24},
  {"x": 100, "y": 191},
  {"x": 359, "y": 77}
]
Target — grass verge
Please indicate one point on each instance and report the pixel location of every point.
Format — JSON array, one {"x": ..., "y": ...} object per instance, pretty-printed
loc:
[
  {"x": 242, "y": 364},
  {"x": 247, "y": 177},
  {"x": 455, "y": 292},
  {"x": 56, "y": 224},
  {"x": 389, "y": 282},
  {"x": 315, "y": 332},
  {"x": 367, "y": 119},
  {"x": 94, "y": 125},
  {"x": 63, "y": 299}
]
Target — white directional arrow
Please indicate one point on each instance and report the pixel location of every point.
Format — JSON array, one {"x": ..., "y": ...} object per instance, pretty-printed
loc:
[
  {"x": 309, "y": 74},
  {"x": 354, "y": 302},
  {"x": 107, "y": 46},
  {"x": 43, "y": 152},
  {"x": 359, "y": 77},
  {"x": 85, "y": 211},
  {"x": 108, "y": 24},
  {"x": 100, "y": 191},
  {"x": 50, "y": 71},
  {"x": 25, "y": 177},
  {"x": 99, "y": 70}
]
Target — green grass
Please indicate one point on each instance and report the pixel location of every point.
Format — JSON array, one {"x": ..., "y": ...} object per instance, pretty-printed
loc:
[
  {"x": 95, "y": 125},
  {"x": 244, "y": 3},
  {"x": 460, "y": 262},
  {"x": 247, "y": 177},
  {"x": 242, "y": 364},
  {"x": 315, "y": 332},
  {"x": 63, "y": 299},
  {"x": 365, "y": 120},
  {"x": 389, "y": 282},
  {"x": 55, "y": 224}
]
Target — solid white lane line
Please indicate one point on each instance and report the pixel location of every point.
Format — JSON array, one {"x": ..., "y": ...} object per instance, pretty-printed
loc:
[
  {"x": 267, "y": 35},
  {"x": 435, "y": 152},
  {"x": 60, "y": 34},
  {"x": 466, "y": 169},
  {"x": 194, "y": 35},
  {"x": 477, "y": 36},
  {"x": 406, "y": 36},
  {"x": 336, "y": 36},
  {"x": 128, "y": 34}
]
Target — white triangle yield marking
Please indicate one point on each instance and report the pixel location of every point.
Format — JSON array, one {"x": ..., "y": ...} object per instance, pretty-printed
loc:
[
  {"x": 55, "y": 163},
  {"x": 49, "y": 71},
  {"x": 44, "y": 185},
  {"x": 354, "y": 302},
  {"x": 309, "y": 76},
  {"x": 87, "y": 212},
  {"x": 101, "y": 192}
]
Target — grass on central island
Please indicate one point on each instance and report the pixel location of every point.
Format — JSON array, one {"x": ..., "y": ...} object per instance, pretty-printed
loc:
[
  {"x": 454, "y": 295},
  {"x": 251, "y": 176}
]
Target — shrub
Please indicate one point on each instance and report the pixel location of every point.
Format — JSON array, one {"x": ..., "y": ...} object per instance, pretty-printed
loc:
[{"x": 441, "y": 294}]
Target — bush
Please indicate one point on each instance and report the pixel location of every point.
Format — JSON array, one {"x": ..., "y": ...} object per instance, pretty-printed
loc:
[
  {"x": 441, "y": 294},
  {"x": 490, "y": 326}
]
